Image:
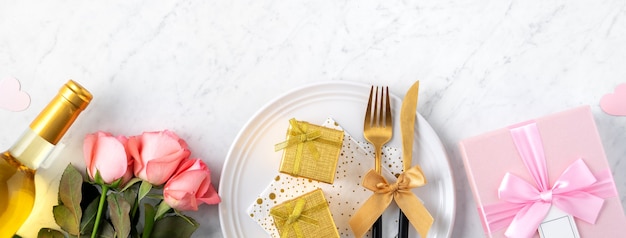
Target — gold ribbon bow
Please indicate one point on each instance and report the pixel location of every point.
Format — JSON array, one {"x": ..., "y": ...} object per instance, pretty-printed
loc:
[
  {"x": 291, "y": 220},
  {"x": 384, "y": 193},
  {"x": 301, "y": 136}
]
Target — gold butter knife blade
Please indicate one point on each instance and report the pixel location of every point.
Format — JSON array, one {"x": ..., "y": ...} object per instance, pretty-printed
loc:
[{"x": 407, "y": 124}]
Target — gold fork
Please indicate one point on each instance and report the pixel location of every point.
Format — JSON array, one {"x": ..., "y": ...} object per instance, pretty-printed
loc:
[{"x": 378, "y": 130}]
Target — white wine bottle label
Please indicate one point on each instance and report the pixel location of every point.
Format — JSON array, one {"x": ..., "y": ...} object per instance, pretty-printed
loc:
[
  {"x": 31, "y": 149},
  {"x": 53, "y": 155}
]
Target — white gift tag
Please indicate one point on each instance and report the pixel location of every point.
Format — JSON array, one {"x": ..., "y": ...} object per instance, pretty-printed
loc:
[{"x": 558, "y": 224}]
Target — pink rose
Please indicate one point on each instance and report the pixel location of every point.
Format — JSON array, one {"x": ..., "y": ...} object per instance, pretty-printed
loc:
[
  {"x": 190, "y": 187},
  {"x": 106, "y": 155},
  {"x": 157, "y": 155}
]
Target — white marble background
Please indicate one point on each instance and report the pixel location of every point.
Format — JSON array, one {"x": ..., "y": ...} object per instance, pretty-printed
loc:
[{"x": 203, "y": 68}]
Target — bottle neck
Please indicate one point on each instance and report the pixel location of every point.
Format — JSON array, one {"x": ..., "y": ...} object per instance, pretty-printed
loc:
[
  {"x": 38, "y": 142},
  {"x": 31, "y": 149}
]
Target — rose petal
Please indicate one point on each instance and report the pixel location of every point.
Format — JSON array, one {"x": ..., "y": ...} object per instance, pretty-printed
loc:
[
  {"x": 88, "y": 145},
  {"x": 112, "y": 161},
  {"x": 134, "y": 146},
  {"x": 159, "y": 144},
  {"x": 188, "y": 181},
  {"x": 181, "y": 200},
  {"x": 158, "y": 173},
  {"x": 211, "y": 197}
]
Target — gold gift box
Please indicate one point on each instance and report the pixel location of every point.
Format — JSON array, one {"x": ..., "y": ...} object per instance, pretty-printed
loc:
[
  {"x": 305, "y": 216},
  {"x": 310, "y": 151}
]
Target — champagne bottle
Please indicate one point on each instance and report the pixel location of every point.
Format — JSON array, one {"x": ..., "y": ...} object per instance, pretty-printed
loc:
[{"x": 19, "y": 164}]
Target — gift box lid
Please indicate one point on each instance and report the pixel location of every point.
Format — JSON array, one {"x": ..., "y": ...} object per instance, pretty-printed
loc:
[
  {"x": 310, "y": 213},
  {"x": 566, "y": 137},
  {"x": 314, "y": 158}
]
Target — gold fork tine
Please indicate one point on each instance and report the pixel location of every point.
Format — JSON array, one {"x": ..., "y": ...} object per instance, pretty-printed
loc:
[
  {"x": 368, "y": 113},
  {"x": 377, "y": 111},
  {"x": 388, "y": 121}
]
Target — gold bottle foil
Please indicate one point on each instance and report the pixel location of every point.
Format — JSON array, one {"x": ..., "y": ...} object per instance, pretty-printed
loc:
[{"x": 61, "y": 112}]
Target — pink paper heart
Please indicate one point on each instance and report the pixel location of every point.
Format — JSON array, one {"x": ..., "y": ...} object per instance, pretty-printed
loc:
[
  {"x": 615, "y": 103},
  {"x": 11, "y": 98}
]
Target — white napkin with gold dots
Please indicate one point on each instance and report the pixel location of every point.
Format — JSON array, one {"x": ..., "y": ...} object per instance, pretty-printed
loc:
[{"x": 344, "y": 196}]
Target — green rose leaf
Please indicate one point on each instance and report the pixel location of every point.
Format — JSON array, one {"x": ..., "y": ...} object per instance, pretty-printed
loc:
[
  {"x": 144, "y": 189},
  {"x": 186, "y": 218},
  {"x": 162, "y": 209},
  {"x": 130, "y": 183},
  {"x": 70, "y": 195},
  {"x": 119, "y": 210},
  {"x": 65, "y": 219},
  {"x": 107, "y": 231},
  {"x": 174, "y": 226},
  {"x": 89, "y": 217},
  {"x": 49, "y": 233},
  {"x": 130, "y": 195},
  {"x": 148, "y": 220}
]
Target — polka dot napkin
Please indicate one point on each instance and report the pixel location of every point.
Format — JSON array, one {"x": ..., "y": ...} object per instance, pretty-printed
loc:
[{"x": 344, "y": 196}]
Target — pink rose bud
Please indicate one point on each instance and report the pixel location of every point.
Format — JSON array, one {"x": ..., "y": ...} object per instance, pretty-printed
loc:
[
  {"x": 157, "y": 155},
  {"x": 106, "y": 155},
  {"x": 190, "y": 187}
]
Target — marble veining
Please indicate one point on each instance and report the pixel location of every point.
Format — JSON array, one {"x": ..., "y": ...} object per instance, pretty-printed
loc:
[{"x": 203, "y": 68}]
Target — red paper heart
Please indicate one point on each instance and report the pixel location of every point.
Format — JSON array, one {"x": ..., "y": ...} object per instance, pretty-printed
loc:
[
  {"x": 11, "y": 98},
  {"x": 615, "y": 103}
]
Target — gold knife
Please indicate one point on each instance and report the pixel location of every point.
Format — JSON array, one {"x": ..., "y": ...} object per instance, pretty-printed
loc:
[
  {"x": 407, "y": 128},
  {"x": 407, "y": 124}
]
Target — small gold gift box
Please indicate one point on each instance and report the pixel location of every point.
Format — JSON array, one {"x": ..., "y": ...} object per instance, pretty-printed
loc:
[
  {"x": 305, "y": 216},
  {"x": 310, "y": 151}
]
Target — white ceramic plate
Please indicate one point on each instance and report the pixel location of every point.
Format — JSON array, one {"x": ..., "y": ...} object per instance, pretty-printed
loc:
[{"x": 252, "y": 163}]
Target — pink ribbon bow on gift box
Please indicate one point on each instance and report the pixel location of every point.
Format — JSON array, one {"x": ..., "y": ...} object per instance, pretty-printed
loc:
[{"x": 577, "y": 191}]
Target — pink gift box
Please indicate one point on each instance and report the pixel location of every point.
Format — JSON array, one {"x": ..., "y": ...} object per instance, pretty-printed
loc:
[{"x": 566, "y": 137}]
